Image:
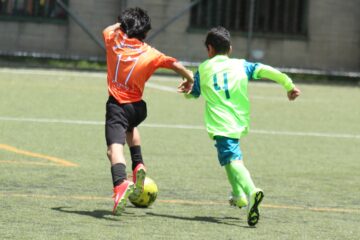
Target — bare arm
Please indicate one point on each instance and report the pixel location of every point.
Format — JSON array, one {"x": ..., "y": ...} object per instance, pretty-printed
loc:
[
  {"x": 186, "y": 85},
  {"x": 181, "y": 70}
]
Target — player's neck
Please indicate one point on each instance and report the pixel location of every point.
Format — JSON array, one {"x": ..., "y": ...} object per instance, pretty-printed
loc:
[{"x": 216, "y": 55}]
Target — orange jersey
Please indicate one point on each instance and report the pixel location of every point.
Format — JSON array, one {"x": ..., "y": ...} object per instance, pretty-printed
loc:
[{"x": 130, "y": 63}]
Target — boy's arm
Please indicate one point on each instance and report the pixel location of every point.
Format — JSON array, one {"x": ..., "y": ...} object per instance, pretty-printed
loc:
[
  {"x": 267, "y": 72},
  {"x": 181, "y": 70},
  {"x": 194, "y": 90},
  {"x": 186, "y": 85}
]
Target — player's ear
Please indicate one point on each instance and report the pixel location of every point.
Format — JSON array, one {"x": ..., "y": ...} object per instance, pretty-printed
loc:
[
  {"x": 230, "y": 50},
  {"x": 211, "y": 51}
]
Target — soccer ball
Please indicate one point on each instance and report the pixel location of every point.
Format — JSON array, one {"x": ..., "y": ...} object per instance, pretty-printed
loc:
[{"x": 148, "y": 196}]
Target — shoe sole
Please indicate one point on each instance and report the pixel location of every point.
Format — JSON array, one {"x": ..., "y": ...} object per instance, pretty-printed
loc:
[
  {"x": 120, "y": 207},
  {"x": 139, "y": 184},
  {"x": 254, "y": 215}
]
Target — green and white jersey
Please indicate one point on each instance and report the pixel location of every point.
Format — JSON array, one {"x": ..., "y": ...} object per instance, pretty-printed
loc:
[{"x": 223, "y": 83}]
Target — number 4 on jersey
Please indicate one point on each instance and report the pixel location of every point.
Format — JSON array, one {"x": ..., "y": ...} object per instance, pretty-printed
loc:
[{"x": 225, "y": 87}]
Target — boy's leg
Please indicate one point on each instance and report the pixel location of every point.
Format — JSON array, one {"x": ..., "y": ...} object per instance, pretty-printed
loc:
[
  {"x": 134, "y": 141},
  {"x": 138, "y": 113},
  {"x": 228, "y": 151},
  {"x": 256, "y": 195},
  {"x": 138, "y": 167},
  {"x": 241, "y": 175},
  {"x": 122, "y": 187},
  {"x": 238, "y": 197},
  {"x": 115, "y": 134},
  {"x": 230, "y": 156}
]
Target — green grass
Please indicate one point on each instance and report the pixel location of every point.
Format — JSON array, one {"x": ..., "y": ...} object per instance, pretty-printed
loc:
[{"x": 311, "y": 182}]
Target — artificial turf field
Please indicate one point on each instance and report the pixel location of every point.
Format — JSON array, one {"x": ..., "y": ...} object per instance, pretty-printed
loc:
[{"x": 56, "y": 184}]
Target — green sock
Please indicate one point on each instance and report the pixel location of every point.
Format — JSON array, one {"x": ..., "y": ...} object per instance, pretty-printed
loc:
[
  {"x": 236, "y": 188},
  {"x": 241, "y": 176}
]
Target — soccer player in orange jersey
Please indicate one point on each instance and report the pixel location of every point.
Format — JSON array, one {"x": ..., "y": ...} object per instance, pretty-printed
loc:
[{"x": 130, "y": 63}]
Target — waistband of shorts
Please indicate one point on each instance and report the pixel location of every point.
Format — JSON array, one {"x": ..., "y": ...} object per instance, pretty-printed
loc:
[{"x": 112, "y": 99}]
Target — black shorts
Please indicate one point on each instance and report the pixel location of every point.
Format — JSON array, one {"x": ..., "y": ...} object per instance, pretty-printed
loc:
[{"x": 122, "y": 118}]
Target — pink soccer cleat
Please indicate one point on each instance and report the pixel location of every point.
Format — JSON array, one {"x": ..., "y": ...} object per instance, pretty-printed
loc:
[
  {"x": 139, "y": 175},
  {"x": 121, "y": 193}
]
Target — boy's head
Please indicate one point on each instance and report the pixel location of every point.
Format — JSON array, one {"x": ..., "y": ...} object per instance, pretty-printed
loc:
[
  {"x": 135, "y": 23},
  {"x": 218, "y": 41}
]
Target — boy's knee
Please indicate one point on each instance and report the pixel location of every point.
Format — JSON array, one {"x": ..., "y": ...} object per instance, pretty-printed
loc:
[{"x": 109, "y": 153}]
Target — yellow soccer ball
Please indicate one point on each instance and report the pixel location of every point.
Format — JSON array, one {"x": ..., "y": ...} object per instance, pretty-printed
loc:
[{"x": 148, "y": 196}]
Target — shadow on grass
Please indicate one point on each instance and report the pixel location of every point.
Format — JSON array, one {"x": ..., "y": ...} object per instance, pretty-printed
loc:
[
  {"x": 107, "y": 215},
  {"x": 100, "y": 214},
  {"x": 217, "y": 220}
]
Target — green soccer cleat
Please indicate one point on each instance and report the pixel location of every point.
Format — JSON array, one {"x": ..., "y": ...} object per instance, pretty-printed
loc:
[
  {"x": 240, "y": 201},
  {"x": 253, "y": 211}
]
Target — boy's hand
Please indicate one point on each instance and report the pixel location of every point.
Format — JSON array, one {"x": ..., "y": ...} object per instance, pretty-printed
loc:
[
  {"x": 293, "y": 94},
  {"x": 185, "y": 86},
  {"x": 187, "y": 83},
  {"x": 188, "y": 76},
  {"x": 112, "y": 27}
]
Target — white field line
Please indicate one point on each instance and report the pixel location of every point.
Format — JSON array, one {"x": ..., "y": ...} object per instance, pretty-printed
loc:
[
  {"x": 180, "y": 126},
  {"x": 149, "y": 84},
  {"x": 161, "y": 87}
]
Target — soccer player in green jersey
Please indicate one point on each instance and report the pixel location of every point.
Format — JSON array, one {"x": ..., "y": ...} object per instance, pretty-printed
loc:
[{"x": 222, "y": 81}]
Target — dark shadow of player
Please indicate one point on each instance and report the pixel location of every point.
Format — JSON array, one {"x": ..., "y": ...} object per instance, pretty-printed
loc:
[
  {"x": 217, "y": 220},
  {"x": 100, "y": 214}
]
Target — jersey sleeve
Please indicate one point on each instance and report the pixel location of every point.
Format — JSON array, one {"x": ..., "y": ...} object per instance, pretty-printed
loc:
[
  {"x": 163, "y": 61},
  {"x": 271, "y": 73},
  {"x": 195, "y": 91},
  {"x": 251, "y": 69}
]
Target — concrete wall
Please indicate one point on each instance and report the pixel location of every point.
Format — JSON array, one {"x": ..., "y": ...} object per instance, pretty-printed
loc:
[
  {"x": 333, "y": 41},
  {"x": 97, "y": 15},
  {"x": 63, "y": 39}
]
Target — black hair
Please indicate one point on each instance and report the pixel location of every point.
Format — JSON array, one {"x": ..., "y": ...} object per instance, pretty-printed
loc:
[
  {"x": 135, "y": 22},
  {"x": 219, "y": 39}
]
